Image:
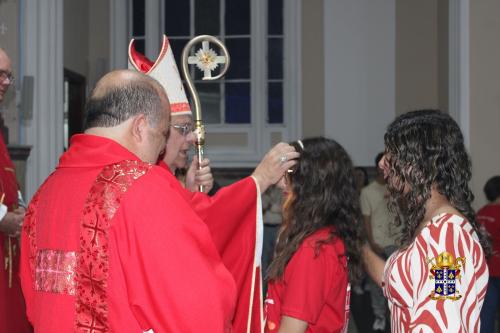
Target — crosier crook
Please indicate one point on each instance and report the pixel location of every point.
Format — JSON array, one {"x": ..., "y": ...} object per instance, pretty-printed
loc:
[{"x": 206, "y": 60}]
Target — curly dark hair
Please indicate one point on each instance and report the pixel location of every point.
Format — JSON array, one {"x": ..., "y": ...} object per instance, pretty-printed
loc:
[
  {"x": 323, "y": 194},
  {"x": 425, "y": 148}
]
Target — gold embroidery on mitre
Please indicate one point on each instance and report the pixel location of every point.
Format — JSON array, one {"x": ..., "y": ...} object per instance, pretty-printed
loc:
[{"x": 445, "y": 271}]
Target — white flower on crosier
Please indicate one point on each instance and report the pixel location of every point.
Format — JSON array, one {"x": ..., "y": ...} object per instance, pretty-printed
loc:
[{"x": 205, "y": 59}]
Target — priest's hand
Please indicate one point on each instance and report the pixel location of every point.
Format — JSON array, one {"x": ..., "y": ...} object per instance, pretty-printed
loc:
[
  {"x": 196, "y": 177},
  {"x": 274, "y": 165},
  {"x": 20, "y": 210},
  {"x": 12, "y": 223}
]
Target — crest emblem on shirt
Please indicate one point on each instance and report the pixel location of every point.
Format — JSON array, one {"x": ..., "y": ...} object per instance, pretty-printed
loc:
[{"x": 445, "y": 271}]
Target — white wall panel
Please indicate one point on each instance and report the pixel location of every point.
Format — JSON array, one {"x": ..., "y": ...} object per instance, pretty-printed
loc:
[{"x": 359, "y": 74}]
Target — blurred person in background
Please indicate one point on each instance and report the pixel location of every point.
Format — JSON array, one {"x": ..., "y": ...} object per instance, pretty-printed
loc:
[
  {"x": 489, "y": 217},
  {"x": 12, "y": 307},
  {"x": 379, "y": 228}
]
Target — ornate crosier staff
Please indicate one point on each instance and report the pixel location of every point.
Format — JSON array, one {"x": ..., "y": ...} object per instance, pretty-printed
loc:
[{"x": 206, "y": 60}]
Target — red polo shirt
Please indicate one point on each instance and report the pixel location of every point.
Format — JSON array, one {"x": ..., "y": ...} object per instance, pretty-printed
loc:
[
  {"x": 489, "y": 217},
  {"x": 314, "y": 288}
]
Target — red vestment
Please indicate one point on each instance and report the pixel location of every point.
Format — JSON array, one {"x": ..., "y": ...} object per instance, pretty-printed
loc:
[
  {"x": 234, "y": 217},
  {"x": 12, "y": 309},
  {"x": 109, "y": 245}
]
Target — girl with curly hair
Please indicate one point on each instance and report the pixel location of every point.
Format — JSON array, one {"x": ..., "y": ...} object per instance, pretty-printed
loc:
[
  {"x": 318, "y": 247},
  {"x": 437, "y": 281}
]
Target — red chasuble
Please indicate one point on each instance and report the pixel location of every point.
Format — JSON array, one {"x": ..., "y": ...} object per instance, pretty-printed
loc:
[
  {"x": 234, "y": 217},
  {"x": 109, "y": 245},
  {"x": 12, "y": 310}
]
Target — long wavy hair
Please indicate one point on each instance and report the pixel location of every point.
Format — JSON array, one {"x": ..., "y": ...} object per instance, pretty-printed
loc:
[
  {"x": 423, "y": 149},
  {"x": 323, "y": 193}
]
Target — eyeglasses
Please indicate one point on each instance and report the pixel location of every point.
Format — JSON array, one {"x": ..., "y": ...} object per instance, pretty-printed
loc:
[
  {"x": 184, "y": 129},
  {"x": 6, "y": 75}
]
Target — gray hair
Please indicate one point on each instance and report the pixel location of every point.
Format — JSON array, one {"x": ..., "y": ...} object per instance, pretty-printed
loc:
[{"x": 120, "y": 103}]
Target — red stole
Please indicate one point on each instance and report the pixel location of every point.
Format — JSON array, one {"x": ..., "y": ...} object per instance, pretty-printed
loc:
[
  {"x": 234, "y": 218},
  {"x": 235, "y": 222}
]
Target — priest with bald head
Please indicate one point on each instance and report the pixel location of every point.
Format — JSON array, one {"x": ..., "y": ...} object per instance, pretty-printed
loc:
[{"x": 107, "y": 244}]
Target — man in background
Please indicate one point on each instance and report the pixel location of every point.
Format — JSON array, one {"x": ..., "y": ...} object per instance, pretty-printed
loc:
[
  {"x": 12, "y": 309},
  {"x": 380, "y": 233}
]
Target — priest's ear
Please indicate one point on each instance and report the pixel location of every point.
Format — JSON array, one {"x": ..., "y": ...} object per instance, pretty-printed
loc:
[{"x": 140, "y": 127}]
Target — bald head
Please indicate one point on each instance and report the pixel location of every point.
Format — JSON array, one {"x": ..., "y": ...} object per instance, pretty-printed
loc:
[
  {"x": 122, "y": 94},
  {"x": 120, "y": 79},
  {"x": 5, "y": 72},
  {"x": 3, "y": 55}
]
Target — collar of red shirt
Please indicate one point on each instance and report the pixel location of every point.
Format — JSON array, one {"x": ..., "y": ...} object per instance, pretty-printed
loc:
[
  {"x": 165, "y": 166},
  {"x": 87, "y": 150}
]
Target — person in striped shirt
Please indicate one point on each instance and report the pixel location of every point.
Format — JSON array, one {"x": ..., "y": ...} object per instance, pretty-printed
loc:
[{"x": 436, "y": 281}]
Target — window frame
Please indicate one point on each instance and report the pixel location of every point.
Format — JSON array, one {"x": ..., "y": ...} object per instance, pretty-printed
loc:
[{"x": 260, "y": 134}]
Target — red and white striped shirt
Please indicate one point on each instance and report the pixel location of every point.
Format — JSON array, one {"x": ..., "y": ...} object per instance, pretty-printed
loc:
[{"x": 408, "y": 285}]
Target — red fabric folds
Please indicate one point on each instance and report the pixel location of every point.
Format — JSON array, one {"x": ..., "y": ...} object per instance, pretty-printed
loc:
[
  {"x": 92, "y": 271},
  {"x": 12, "y": 308},
  {"x": 162, "y": 268},
  {"x": 232, "y": 217}
]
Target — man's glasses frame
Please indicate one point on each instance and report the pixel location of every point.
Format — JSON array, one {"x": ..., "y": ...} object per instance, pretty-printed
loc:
[
  {"x": 183, "y": 129},
  {"x": 6, "y": 75}
]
